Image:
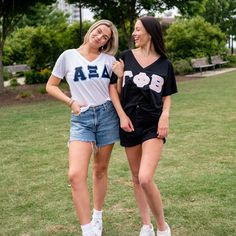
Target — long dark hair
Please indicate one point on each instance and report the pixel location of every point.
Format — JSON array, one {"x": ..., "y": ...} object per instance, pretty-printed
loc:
[{"x": 153, "y": 27}]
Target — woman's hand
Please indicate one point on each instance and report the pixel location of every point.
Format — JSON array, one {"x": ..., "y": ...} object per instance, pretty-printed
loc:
[
  {"x": 126, "y": 124},
  {"x": 163, "y": 126},
  {"x": 76, "y": 107},
  {"x": 118, "y": 68}
]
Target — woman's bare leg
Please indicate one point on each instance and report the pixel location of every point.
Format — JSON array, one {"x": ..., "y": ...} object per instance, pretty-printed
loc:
[
  {"x": 79, "y": 156},
  {"x": 151, "y": 152},
  {"x": 134, "y": 158},
  {"x": 100, "y": 170}
]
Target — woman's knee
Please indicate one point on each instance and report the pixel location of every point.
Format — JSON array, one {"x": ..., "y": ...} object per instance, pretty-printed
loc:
[
  {"x": 99, "y": 171},
  {"x": 135, "y": 178},
  {"x": 76, "y": 178},
  {"x": 145, "y": 181}
]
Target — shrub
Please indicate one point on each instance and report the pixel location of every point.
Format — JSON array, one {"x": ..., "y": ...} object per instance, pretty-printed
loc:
[
  {"x": 6, "y": 74},
  {"x": 192, "y": 38},
  {"x": 182, "y": 67},
  {"x": 37, "y": 77},
  {"x": 16, "y": 46},
  {"x": 25, "y": 94},
  {"x": 13, "y": 82},
  {"x": 41, "y": 45},
  {"x": 231, "y": 59},
  {"x": 42, "y": 90}
]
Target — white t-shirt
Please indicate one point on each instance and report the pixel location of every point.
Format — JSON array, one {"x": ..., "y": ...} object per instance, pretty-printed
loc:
[{"x": 88, "y": 81}]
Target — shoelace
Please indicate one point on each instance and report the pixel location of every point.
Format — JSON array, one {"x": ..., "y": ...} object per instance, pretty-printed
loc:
[{"x": 145, "y": 231}]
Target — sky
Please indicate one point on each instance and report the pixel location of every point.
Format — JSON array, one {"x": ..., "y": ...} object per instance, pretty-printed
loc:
[{"x": 87, "y": 14}]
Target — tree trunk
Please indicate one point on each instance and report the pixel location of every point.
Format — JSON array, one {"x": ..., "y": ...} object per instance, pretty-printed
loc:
[{"x": 1, "y": 69}]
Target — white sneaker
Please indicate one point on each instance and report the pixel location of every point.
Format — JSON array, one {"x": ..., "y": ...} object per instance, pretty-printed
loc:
[
  {"x": 97, "y": 227},
  {"x": 147, "y": 230},
  {"x": 166, "y": 232},
  {"x": 89, "y": 234}
]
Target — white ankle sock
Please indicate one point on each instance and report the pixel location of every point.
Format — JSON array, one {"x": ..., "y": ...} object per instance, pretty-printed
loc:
[
  {"x": 97, "y": 214},
  {"x": 87, "y": 230},
  {"x": 147, "y": 226}
]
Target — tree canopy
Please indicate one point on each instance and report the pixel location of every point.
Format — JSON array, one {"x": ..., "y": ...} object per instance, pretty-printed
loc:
[
  {"x": 39, "y": 14},
  {"x": 11, "y": 11},
  {"x": 123, "y": 13},
  {"x": 194, "y": 38},
  {"x": 222, "y": 13}
]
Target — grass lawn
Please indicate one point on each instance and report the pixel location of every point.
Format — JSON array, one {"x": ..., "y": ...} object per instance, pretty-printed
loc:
[{"x": 196, "y": 175}]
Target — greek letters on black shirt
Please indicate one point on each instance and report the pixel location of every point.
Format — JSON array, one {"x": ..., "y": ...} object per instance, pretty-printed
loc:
[{"x": 146, "y": 86}]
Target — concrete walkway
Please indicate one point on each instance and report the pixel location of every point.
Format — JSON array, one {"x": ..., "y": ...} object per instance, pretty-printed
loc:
[
  {"x": 211, "y": 72},
  {"x": 20, "y": 80}
]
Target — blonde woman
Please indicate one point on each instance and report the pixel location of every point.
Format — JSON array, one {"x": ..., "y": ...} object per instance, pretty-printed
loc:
[{"x": 94, "y": 122}]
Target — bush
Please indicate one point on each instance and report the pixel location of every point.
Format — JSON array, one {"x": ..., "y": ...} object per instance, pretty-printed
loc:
[
  {"x": 16, "y": 46},
  {"x": 37, "y": 77},
  {"x": 231, "y": 59},
  {"x": 42, "y": 90},
  {"x": 13, "y": 82},
  {"x": 25, "y": 94},
  {"x": 6, "y": 74},
  {"x": 193, "y": 38},
  {"x": 182, "y": 67},
  {"x": 41, "y": 45}
]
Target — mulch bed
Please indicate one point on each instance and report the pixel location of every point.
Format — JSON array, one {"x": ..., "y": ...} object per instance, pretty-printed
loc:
[{"x": 24, "y": 94}]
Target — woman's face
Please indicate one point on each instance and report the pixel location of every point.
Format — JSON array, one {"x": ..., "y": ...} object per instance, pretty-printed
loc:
[
  {"x": 140, "y": 35},
  {"x": 100, "y": 36}
]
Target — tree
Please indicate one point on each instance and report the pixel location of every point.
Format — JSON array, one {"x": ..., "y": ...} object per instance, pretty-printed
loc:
[
  {"x": 39, "y": 15},
  {"x": 123, "y": 13},
  {"x": 222, "y": 13},
  {"x": 17, "y": 45},
  {"x": 194, "y": 38},
  {"x": 11, "y": 11}
]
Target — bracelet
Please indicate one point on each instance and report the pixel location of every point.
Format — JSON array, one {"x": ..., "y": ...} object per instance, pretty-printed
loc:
[{"x": 71, "y": 102}]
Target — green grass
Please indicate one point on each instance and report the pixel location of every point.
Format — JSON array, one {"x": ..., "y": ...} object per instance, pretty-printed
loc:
[{"x": 196, "y": 175}]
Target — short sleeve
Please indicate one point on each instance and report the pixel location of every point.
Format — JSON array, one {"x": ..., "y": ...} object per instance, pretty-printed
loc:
[
  {"x": 170, "y": 86},
  {"x": 59, "y": 69},
  {"x": 114, "y": 76}
]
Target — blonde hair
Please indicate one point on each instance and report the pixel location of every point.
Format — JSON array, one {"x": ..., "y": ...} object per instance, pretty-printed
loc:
[{"x": 111, "y": 46}]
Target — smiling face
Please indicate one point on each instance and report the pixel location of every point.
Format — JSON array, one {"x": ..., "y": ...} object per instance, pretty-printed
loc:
[
  {"x": 100, "y": 36},
  {"x": 140, "y": 35}
]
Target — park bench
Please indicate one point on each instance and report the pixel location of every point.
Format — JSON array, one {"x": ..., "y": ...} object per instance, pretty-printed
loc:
[
  {"x": 13, "y": 69},
  {"x": 200, "y": 63},
  {"x": 218, "y": 61}
]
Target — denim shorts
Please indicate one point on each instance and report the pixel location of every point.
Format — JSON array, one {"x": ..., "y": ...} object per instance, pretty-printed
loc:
[{"x": 99, "y": 124}]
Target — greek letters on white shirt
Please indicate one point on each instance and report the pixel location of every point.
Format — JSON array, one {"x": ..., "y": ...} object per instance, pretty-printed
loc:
[
  {"x": 92, "y": 73},
  {"x": 155, "y": 82}
]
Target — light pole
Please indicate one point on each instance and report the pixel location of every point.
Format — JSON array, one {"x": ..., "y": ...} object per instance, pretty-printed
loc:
[
  {"x": 80, "y": 23},
  {"x": 232, "y": 36},
  {"x": 232, "y": 44}
]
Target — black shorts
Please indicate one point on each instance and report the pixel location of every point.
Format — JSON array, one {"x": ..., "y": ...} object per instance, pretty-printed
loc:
[{"x": 145, "y": 127}]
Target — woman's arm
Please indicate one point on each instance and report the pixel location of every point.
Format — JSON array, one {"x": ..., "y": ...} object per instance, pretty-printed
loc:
[
  {"x": 119, "y": 84},
  {"x": 53, "y": 89},
  {"x": 118, "y": 69},
  {"x": 125, "y": 122},
  {"x": 163, "y": 124}
]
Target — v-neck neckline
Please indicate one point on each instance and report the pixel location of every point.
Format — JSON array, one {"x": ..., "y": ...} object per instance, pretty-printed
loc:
[
  {"x": 85, "y": 59},
  {"x": 143, "y": 67}
]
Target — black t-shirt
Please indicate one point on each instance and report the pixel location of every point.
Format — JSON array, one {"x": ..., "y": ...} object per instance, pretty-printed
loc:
[{"x": 145, "y": 87}]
